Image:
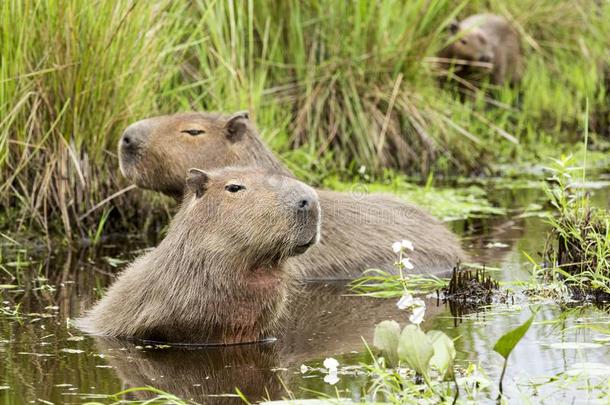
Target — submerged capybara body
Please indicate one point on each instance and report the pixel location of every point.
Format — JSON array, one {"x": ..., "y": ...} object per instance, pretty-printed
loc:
[
  {"x": 357, "y": 230},
  {"x": 324, "y": 320},
  {"x": 486, "y": 39},
  {"x": 219, "y": 276}
]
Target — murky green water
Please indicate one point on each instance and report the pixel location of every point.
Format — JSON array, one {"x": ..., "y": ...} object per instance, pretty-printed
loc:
[{"x": 44, "y": 359}]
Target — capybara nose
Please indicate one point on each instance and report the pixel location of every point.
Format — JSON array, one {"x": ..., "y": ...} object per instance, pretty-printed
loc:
[
  {"x": 132, "y": 139},
  {"x": 485, "y": 59},
  {"x": 305, "y": 204}
]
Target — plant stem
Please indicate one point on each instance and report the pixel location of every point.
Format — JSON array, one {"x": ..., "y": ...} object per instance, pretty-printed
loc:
[{"x": 501, "y": 379}]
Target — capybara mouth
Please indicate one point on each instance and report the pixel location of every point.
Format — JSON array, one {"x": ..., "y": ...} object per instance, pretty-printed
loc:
[
  {"x": 127, "y": 163},
  {"x": 300, "y": 249}
]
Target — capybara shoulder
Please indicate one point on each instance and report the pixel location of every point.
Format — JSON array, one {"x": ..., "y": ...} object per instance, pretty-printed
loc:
[
  {"x": 485, "y": 44},
  {"x": 219, "y": 276}
]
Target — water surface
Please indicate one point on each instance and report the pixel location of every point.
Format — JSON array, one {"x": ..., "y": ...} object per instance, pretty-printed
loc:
[{"x": 45, "y": 359}]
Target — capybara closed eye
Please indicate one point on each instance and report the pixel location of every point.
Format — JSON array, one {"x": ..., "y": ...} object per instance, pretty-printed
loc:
[{"x": 220, "y": 274}]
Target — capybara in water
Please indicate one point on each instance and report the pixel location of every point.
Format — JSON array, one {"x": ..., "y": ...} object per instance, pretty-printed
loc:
[
  {"x": 219, "y": 276},
  {"x": 486, "y": 39},
  {"x": 324, "y": 320},
  {"x": 357, "y": 230}
]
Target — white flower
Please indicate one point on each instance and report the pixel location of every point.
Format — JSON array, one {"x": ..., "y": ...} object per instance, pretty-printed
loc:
[
  {"x": 304, "y": 368},
  {"x": 406, "y": 263},
  {"x": 405, "y": 301},
  {"x": 362, "y": 169},
  {"x": 331, "y": 364},
  {"x": 418, "y": 302},
  {"x": 417, "y": 316},
  {"x": 402, "y": 245},
  {"x": 331, "y": 378},
  {"x": 407, "y": 244}
]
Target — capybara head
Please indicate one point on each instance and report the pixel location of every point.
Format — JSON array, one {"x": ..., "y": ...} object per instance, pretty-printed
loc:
[
  {"x": 254, "y": 214},
  {"x": 155, "y": 153},
  {"x": 471, "y": 43},
  {"x": 219, "y": 276}
]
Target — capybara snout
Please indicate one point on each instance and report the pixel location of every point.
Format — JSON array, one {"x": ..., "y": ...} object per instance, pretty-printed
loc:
[
  {"x": 132, "y": 140},
  {"x": 301, "y": 204}
]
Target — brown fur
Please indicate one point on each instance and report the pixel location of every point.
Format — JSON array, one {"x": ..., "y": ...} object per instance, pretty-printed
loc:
[
  {"x": 486, "y": 39},
  {"x": 357, "y": 231},
  {"x": 219, "y": 276}
]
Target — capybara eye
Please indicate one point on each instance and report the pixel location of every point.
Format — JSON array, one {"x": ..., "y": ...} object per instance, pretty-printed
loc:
[
  {"x": 234, "y": 188},
  {"x": 193, "y": 132},
  {"x": 463, "y": 41}
]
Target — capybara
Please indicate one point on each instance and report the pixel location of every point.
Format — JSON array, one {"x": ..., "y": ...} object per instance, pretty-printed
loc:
[
  {"x": 486, "y": 39},
  {"x": 357, "y": 230},
  {"x": 219, "y": 276}
]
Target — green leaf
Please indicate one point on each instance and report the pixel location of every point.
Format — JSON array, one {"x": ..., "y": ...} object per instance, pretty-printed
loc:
[
  {"x": 505, "y": 345},
  {"x": 444, "y": 353},
  {"x": 415, "y": 348},
  {"x": 386, "y": 338},
  {"x": 7, "y": 286}
]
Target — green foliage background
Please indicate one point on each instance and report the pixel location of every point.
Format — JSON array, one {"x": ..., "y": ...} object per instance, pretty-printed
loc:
[{"x": 332, "y": 85}]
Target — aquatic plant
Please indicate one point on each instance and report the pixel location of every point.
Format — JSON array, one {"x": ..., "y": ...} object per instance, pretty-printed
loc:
[
  {"x": 427, "y": 353},
  {"x": 507, "y": 342},
  {"x": 420, "y": 351},
  {"x": 577, "y": 250},
  {"x": 447, "y": 204},
  {"x": 381, "y": 284},
  {"x": 469, "y": 289}
]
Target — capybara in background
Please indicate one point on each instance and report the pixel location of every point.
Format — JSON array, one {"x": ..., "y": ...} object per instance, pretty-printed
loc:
[
  {"x": 219, "y": 276},
  {"x": 485, "y": 39},
  {"x": 357, "y": 230}
]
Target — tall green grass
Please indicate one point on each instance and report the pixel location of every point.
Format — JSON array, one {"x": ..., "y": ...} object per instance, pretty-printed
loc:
[
  {"x": 332, "y": 85},
  {"x": 72, "y": 75}
]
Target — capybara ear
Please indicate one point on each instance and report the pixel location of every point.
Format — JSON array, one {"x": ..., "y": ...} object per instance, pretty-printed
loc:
[
  {"x": 453, "y": 27},
  {"x": 237, "y": 125},
  {"x": 197, "y": 181}
]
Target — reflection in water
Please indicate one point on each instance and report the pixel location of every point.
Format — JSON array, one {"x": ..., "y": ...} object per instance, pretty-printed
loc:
[
  {"x": 205, "y": 375},
  {"x": 43, "y": 358}
]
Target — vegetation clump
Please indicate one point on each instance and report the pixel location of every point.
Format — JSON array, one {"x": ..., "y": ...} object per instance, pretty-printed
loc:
[
  {"x": 577, "y": 250},
  {"x": 472, "y": 285}
]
